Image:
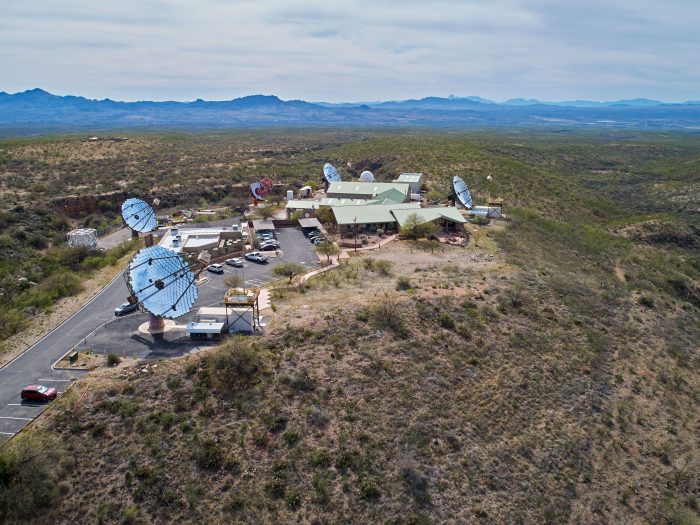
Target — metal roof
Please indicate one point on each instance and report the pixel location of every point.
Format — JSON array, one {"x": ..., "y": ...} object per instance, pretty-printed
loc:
[
  {"x": 377, "y": 214},
  {"x": 369, "y": 189},
  {"x": 263, "y": 225},
  {"x": 309, "y": 223},
  {"x": 409, "y": 177},
  {"x": 430, "y": 214}
]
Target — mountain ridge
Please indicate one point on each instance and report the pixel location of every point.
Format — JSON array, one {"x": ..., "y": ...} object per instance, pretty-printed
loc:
[{"x": 37, "y": 108}]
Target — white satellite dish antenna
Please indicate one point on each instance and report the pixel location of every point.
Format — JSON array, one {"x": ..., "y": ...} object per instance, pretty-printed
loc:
[{"x": 366, "y": 176}]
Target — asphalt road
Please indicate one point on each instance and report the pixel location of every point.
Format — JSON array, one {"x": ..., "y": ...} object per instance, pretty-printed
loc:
[{"x": 34, "y": 365}]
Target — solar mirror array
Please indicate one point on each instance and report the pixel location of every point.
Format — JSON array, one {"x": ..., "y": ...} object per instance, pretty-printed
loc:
[
  {"x": 331, "y": 173},
  {"x": 138, "y": 215},
  {"x": 162, "y": 282},
  {"x": 462, "y": 192}
]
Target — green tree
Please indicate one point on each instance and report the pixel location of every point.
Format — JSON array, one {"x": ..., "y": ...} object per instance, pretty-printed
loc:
[
  {"x": 325, "y": 215},
  {"x": 328, "y": 249},
  {"x": 297, "y": 214},
  {"x": 265, "y": 212},
  {"x": 415, "y": 227},
  {"x": 313, "y": 184},
  {"x": 288, "y": 269}
]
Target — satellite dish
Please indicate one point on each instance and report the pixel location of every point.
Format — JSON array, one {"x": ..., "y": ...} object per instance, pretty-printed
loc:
[
  {"x": 331, "y": 173},
  {"x": 462, "y": 192},
  {"x": 138, "y": 215},
  {"x": 366, "y": 176},
  {"x": 162, "y": 282}
]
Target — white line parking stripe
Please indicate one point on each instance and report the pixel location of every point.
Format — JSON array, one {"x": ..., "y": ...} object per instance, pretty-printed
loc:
[
  {"x": 8, "y": 433},
  {"x": 23, "y": 418},
  {"x": 61, "y": 380},
  {"x": 23, "y": 405}
]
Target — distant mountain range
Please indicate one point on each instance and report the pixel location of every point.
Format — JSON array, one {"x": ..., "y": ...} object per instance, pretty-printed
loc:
[{"x": 37, "y": 110}]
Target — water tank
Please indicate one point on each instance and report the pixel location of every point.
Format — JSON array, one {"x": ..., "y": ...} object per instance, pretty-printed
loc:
[{"x": 290, "y": 195}]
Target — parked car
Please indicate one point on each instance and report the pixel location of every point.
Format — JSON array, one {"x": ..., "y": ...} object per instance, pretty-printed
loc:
[
  {"x": 312, "y": 238},
  {"x": 38, "y": 393},
  {"x": 271, "y": 242},
  {"x": 268, "y": 248},
  {"x": 320, "y": 240},
  {"x": 315, "y": 231},
  {"x": 237, "y": 262},
  {"x": 256, "y": 257},
  {"x": 215, "y": 268},
  {"x": 125, "y": 308}
]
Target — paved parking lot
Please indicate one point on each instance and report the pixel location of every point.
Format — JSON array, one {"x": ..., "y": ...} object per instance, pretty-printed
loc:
[{"x": 121, "y": 336}]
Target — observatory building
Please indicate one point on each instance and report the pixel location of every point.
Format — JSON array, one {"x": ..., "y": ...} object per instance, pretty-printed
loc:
[
  {"x": 225, "y": 240},
  {"x": 397, "y": 192},
  {"x": 414, "y": 180},
  {"x": 83, "y": 237}
]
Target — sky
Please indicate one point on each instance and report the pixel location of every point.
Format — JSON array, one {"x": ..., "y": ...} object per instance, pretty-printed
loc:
[{"x": 352, "y": 50}]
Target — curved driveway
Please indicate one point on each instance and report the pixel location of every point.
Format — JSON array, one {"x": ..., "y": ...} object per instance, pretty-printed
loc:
[{"x": 34, "y": 365}]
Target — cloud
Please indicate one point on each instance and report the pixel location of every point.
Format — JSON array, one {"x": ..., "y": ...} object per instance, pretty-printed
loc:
[{"x": 354, "y": 50}]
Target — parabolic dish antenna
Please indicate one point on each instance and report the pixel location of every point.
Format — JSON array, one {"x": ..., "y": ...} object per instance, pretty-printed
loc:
[
  {"x": 138, "y": 215},
  {"x": 260, "y": 189},
  {"x": 366, "y": 176},
  {"x": 162, "y": 282},
  {"x": 331, "y": 173},
  {"x": 462, "y": 192}
]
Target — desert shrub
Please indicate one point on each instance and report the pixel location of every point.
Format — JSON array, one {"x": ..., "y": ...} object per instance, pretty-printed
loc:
[
  {"x": 113, "y": 359},
  {"x": 291, "y": 437},
  {"x": 237, "y": 365},
  {"x": 387, "y": 314},
  {"x": 292, "y": 499},
  {"x": 11, "y": 322},
  {"x": 207, "y": 454},
  {"x": 403, "y": 283},
  {"x": 318, "y": 416},
  {"x": 320, "y": 458},
  {"x": 446, "y": 321},
  {"x": 647, "y": 301},
  {"x": 30, "y": 468},
  {"x": 368, "y": 263},
  {"x": 383, "y": 267},
  {"x": 276, "y": 487},
  {"x": 369, "y": 490}
]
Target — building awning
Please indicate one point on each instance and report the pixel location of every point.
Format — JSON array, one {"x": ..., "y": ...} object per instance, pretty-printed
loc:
[
  {"x": 263, "y": 225},
  {"x": 309, "y": 223}
]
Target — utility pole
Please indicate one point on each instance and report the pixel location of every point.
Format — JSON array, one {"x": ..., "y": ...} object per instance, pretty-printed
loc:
[{"x": 355, "y": 227}]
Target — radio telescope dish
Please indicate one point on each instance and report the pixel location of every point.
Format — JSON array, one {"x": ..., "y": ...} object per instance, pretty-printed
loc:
[
  {"x": 138, "y": 215},
  {"x": 260, "y": 189},
  {"x": 462, "y": 192},
  {"x": 366, "y": 176},
  {"x": 331, "y": 173},
  {"x": 162, "y": 282}
]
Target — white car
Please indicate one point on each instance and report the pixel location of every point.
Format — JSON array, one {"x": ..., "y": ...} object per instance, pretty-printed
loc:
[
  {"x": 271, "y": 242},
  {"x": 215, "y": 268},
  {"x": 236, "y": 262},
  {"x": 257, "y": 257}
]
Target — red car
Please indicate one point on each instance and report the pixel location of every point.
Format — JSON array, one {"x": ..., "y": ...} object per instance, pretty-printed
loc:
[{"x": 38, "y": 393}]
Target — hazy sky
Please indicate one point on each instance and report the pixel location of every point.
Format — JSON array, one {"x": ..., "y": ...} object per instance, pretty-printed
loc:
[{"x": 352, "y": 50}]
